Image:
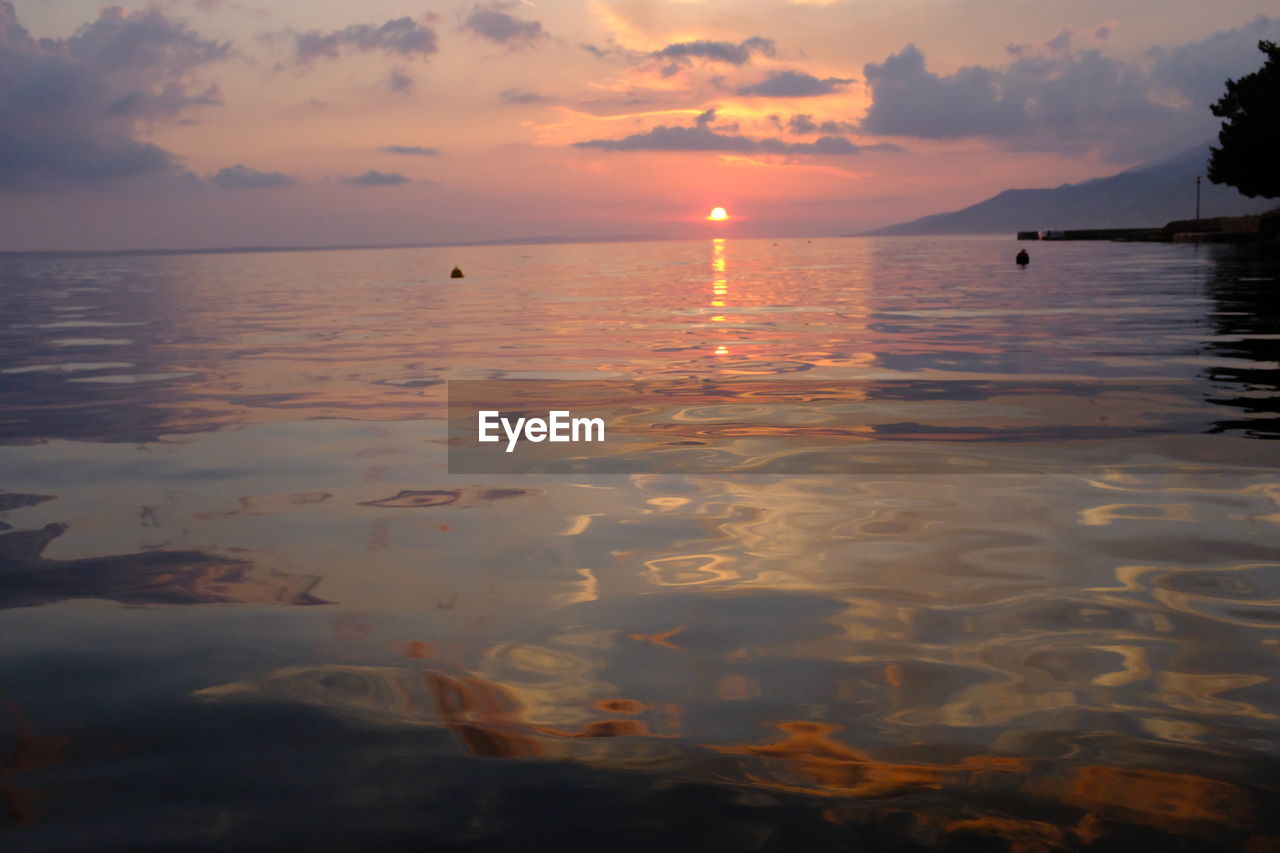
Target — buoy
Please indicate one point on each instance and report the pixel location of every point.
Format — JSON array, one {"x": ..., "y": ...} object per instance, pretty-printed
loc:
[
  {"x": 1022, "y": 259},
  {"x": 457, "y": 273}
]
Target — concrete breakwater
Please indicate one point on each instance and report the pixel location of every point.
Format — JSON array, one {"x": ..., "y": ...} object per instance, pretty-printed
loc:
[
  {"x": 1146, "y": 235},
  {"x": 1223, "y": 229}
]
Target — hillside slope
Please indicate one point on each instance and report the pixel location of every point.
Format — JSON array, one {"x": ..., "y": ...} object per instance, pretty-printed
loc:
[{"x": 1144, "y": 196}]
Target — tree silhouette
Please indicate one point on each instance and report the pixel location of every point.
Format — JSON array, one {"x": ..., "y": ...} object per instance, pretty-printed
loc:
[{"x": 1249, "y": 158}]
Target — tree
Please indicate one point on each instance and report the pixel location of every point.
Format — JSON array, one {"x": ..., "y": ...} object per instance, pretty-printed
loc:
[{"x": 1249, "y": 158}]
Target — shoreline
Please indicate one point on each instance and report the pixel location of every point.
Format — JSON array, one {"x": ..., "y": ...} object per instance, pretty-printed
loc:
[{"x": 1261, "y": 229}]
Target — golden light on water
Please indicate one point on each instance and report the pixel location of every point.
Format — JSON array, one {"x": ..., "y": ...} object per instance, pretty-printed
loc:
[
  {"x": 718, "y": 214},
  {"x": 720, "y": 285},
  {"x": 720, "y": 281}
]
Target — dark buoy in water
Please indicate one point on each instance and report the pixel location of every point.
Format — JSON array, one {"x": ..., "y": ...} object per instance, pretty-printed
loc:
[
  {"x": 1022, "y": 258},
  {"x": 457, "y": 273}
]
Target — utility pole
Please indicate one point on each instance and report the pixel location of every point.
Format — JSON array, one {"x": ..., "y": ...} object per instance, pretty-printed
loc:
[{"x": 1197, "y": 198}]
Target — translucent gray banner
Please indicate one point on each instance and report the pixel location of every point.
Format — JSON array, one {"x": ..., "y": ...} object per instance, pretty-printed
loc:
[{"x": 894, "y": 426}]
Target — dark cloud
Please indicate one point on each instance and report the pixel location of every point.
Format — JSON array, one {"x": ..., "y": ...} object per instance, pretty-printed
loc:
[
  {"x": 908, "y": 100},
  {"x": 374, "y": 178},
  {"x": 414, "y": 150},
  {"x": 702, "y": 137},
  {"x": 241, "y": 177},
  {"x": 520, "y": 96},
  {"x": 837, "y": 145},
  {"x": 69, "y": 108},
  {"x": 803, "y": 124},
  {"x": 1103, "y": 32},
  {"x": 794, "y": 84},
  {"x": 706, "y": 117},
  {"x": 1198, "y": 71},
  {"x": 611, "y": 51},
  {"x": 400, "y": 82},
  {"x": 665, "y": 138},
  {"x": 1062, "y": 41},
  {"x": 163, "y": 104},
  {"x": 397, "y": 37},
  {"x": 682, "y": 54},
  {"x": 1064, "y": 99},
  {"x": 491, "y": 21}
]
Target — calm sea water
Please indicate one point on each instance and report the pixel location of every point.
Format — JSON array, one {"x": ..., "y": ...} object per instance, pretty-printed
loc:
[{"x": 246, "y": 607}]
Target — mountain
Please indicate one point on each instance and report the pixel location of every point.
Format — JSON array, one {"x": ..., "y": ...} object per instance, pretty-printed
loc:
[{"x": 1145, "y": 196}]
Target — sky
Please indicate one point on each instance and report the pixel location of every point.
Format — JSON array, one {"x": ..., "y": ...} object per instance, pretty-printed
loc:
[{"x": 207, "y": 123}]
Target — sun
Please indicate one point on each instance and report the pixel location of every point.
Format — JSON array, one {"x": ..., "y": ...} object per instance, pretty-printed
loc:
[{"x": 718, "y": 214}]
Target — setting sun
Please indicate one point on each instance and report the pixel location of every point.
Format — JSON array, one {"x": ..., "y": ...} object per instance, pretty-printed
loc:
[{"x": 718, "y": 214}]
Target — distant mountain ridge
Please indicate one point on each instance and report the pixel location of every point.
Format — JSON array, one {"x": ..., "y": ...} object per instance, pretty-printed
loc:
[{"x": 1145, "y": 196}]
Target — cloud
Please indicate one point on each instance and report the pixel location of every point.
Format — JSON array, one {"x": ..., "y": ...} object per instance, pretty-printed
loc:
[
  {"x": 1198, "y": 71},
  {"x": 402, "y": 37},
  {"x": 413, "y": 150},
  {"x": 665, "y": 138},
  {"x": 163, "y": 104},
  {"x": 837, "y": 145},
  {"x": 794, "y": 84},
  {"x": 681, "y": 54},
  {"x": 908, "y": 100},
  {"x": 702, "y": 137},
  {"x": 241, "y": 177},
  {"x": 1060, "y": 42},
  {"x": 69, "y": 108},
  {"x": 1065, "y": 99},
  {"x": 520, "y": 96},
  {"x": 803, "y": 124},
  {"x": 609, "y": 52},
  {"x": 374, "y": 178},
  {"x": 491, "y": 21},
  {"x": 400, "y": 82}
]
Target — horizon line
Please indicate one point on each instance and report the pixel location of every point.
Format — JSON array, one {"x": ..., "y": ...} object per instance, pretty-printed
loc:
[{"x": 351, "y": 247}]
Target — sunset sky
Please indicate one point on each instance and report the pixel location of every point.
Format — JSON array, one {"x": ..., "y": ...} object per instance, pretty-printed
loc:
[{"x": 305, "y": 122}]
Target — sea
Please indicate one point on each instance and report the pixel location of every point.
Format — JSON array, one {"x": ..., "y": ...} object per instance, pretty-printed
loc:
[{"x": 912, "y": 549}]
